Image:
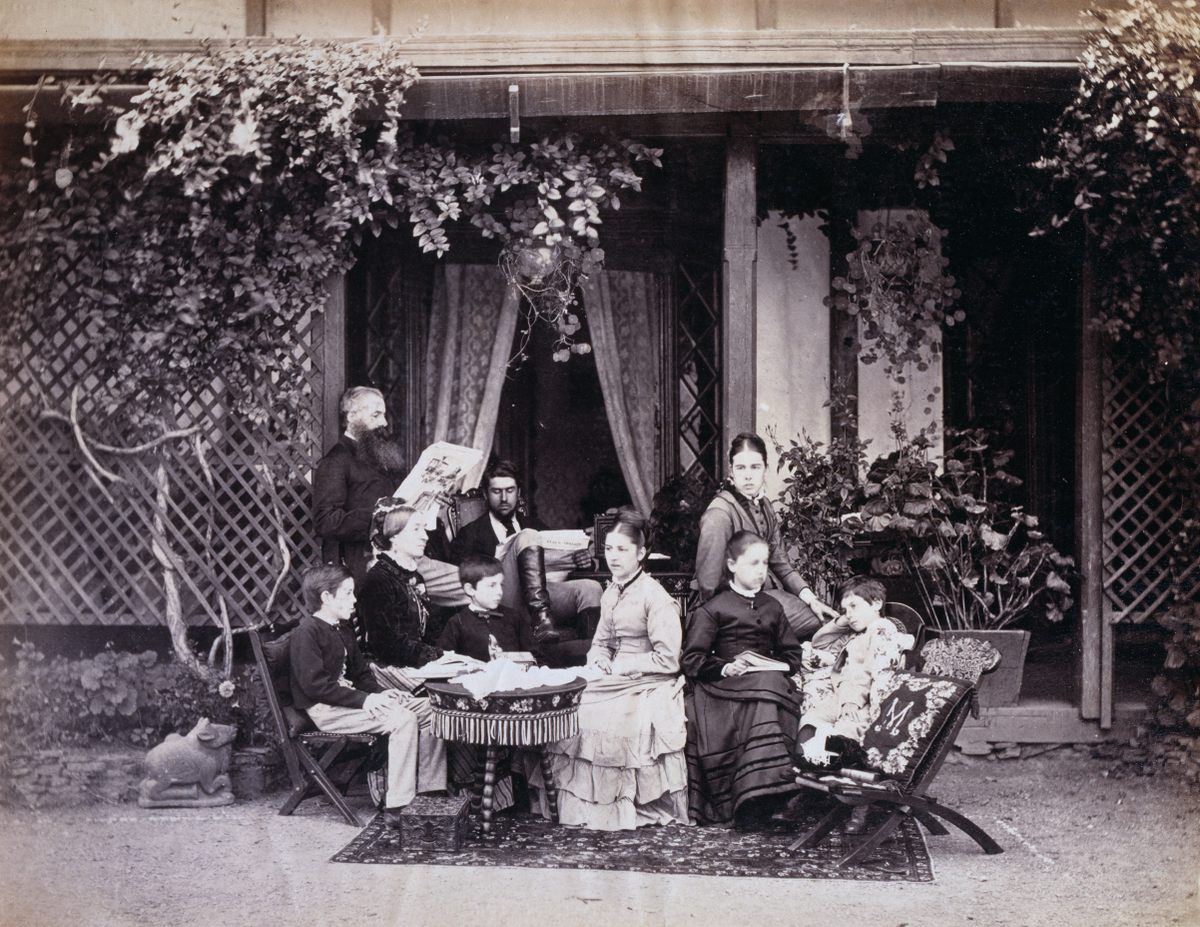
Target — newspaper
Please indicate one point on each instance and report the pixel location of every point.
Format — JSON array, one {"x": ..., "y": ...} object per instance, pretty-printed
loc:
[
  {"x": 439, "y": 472},
  {"x": 561, "y": 540}
]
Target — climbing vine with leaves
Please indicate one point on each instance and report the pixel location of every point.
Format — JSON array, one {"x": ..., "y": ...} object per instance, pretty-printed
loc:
[
  {"x": 200, "y": 228},
  {"x": 1124, "y": 162}
]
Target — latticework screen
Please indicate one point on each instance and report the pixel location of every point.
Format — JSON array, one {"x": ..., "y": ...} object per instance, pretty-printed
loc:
[
  {"x": 73, "y": 556},
  {"x": 1141, "y": 508},
  {"x": 698, "y": 352}
]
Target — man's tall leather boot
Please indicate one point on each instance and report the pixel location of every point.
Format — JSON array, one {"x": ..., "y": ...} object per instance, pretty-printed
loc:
[{"x": 531, "y": 570}]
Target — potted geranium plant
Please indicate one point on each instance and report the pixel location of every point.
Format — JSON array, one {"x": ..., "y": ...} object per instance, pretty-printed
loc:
[{"x": 979, "y": 560}]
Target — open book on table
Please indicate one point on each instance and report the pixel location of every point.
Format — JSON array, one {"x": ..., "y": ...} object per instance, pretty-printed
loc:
[{"x": 758, "y": 663}]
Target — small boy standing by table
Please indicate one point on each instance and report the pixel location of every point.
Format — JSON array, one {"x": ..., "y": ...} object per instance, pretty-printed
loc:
[{"x": 483, "y": 628}]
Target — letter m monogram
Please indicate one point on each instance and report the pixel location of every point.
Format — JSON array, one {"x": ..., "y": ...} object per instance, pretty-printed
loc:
[{"x": 895, "y": 717}]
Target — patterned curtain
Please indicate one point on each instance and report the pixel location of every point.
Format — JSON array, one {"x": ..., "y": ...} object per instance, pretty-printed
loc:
[
  {"x": 470, "y": 336},
  {"x": 623, "y": 317}
]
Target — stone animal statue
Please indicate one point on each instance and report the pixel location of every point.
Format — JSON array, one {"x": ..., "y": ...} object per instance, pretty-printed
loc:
[{"x": 191, "y": 771}]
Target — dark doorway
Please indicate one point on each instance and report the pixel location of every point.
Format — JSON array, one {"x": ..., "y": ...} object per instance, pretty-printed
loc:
[{"x": 553, "y": 424}]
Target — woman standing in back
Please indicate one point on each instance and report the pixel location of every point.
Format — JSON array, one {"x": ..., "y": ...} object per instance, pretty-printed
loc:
[{"x": 742, "y": 505}]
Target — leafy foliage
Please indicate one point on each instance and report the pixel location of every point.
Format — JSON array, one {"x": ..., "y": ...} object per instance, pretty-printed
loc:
[
  {"x": 896, "y": 283},
  {"x": 979, "y": 560},
  {"x": 821, "y": 489},
  {"x": 117, "y": 695},
  {"x": 1124, "y": 162},
  {"x": 232, "y": 189},
  {"x": 1124, "y": 159}
]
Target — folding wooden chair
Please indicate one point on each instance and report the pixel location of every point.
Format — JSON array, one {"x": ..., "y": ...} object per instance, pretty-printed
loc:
[
  {"x": 308, "y": 753},
  {"x": 905, "y": 748}
]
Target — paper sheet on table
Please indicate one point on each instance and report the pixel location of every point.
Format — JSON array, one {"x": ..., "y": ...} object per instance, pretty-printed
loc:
[
  {"x": 447, "y": 666},
  {"x": 505, "y": 676}
]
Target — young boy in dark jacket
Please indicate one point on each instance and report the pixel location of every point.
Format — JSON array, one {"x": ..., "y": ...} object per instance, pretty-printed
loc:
[
  {"x": 332, "y": 683},
  {"x": 484, "y": 628}
]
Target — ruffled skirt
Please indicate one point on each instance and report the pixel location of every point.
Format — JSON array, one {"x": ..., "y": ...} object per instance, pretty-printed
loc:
[{"x": 626, "y": 767}]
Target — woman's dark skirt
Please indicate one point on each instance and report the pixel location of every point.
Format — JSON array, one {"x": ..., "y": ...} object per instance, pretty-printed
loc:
[{"x": 741, "y": 731}]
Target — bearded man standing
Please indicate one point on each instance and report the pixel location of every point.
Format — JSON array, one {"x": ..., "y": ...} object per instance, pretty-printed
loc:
[{"x": 364, "y": 466}]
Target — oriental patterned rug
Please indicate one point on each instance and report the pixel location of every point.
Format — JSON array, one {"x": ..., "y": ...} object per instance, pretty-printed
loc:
[{"x": 527, "y": 841}]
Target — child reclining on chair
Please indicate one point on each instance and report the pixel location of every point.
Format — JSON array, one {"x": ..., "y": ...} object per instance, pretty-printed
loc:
[
  {"x": 332, "y": 682},
  {"x": 847, "y": 669}
]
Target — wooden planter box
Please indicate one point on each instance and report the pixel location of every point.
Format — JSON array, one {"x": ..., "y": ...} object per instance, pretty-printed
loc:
[{"x": 1002, "y": 686}]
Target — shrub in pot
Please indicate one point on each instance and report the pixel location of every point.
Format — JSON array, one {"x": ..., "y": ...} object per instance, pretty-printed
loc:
[{"x": 979, "y": 561}]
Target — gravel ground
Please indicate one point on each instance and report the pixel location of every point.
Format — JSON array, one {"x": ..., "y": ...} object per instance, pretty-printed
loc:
[{"x": 1086, "y": 842}]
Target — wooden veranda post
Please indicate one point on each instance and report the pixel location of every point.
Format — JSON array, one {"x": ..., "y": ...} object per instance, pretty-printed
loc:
[
  {"x": 740, "y": 253},
  {"x": 1095, "y": 632},
  {"x": 843, "y": 328},
  {"x": 333, "y": 359}
]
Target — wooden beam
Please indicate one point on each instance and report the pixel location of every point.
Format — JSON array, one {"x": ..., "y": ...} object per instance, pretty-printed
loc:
[
  {"x": 573, "y": 50},
  {"x": 1090, "y": 511},
  {"x": 739, "y": 253},
  {"x": 256, "y": 17},
  {"x": 1045, "y": 722},
  {"x": 333, "y": 359},
  {"x": 659, "y": 92}
]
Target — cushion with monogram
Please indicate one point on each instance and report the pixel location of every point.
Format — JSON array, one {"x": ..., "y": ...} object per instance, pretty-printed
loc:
[{"x": 909, "y": 721}]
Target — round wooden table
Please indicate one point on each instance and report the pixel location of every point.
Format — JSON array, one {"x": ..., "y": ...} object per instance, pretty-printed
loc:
[{"x": 516, "y": 718}]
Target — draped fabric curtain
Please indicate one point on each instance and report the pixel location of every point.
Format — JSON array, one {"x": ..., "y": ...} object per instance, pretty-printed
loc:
[
  {"x": 623, "y": 318},
  {"x": 470, "y": 337}
]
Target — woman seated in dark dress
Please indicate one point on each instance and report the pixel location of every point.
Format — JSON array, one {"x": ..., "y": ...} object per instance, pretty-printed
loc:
[
  {"x": 742, "y": 718},
  {"x": 392, "y": 603}
]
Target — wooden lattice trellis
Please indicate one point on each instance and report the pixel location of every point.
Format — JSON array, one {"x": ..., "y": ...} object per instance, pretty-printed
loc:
[
  {"x": 1141, "y": 508},
  {"x": 698, "y": 352},
  {"x": 74, "y": 557}
]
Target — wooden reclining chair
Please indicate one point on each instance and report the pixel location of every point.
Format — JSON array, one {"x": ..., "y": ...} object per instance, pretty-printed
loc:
[
  {"x": 905, "y": 748},
  {"x": 308, "y": 753}
]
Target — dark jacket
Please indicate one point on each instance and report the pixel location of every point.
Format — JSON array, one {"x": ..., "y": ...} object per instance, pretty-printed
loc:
[
  {"x": 319, "y": 654},
  {"x": 728, "y": 513},
  {"x": 467, "y": 632},
  {"x": 394, "y": 611},
  {"x": 477, "y": 538},
  {"x": 731, "y": 624},
  {"x": 345, "y": 490}
]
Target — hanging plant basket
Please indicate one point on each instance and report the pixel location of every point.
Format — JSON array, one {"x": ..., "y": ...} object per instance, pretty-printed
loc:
[{"x": 897, "y": 285}]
